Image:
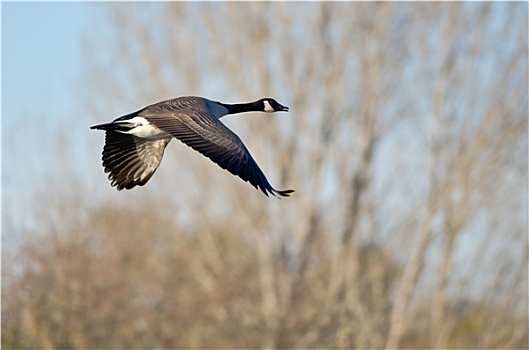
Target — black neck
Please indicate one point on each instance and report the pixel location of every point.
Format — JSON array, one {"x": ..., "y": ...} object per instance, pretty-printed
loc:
[{"x": 243, "y": 107}]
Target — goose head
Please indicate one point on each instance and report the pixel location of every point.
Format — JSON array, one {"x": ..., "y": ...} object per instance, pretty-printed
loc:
[{"x": 270, "y": 106}]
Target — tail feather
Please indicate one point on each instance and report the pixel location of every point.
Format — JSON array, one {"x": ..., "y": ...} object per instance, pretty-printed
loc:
[
  {"x": 121, "y": 126},
  {"x": 107, "y": 126}
]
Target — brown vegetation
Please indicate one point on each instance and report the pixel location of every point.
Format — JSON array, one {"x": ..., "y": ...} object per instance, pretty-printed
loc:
[{"x": 406, "y": 144}]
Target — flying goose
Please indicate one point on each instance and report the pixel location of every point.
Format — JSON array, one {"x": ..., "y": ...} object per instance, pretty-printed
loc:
[{"x": 134, "y": 143}]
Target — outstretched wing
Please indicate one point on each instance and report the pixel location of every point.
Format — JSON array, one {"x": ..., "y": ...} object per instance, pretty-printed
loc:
[
  {"x": 130, "y": 160},
  {"x": 215, "y": 141}
]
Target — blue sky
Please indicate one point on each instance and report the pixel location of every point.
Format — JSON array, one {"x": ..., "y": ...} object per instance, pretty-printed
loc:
[
  {"x": 41, "y": 50},
  {"x": 41, "y": 66}
]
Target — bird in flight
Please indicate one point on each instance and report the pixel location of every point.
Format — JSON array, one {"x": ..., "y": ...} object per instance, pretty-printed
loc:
[{"x": 135, "y": 143}]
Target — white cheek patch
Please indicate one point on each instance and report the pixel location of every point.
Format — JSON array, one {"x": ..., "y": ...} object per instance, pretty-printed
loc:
[{"x": 268, "y": 107}]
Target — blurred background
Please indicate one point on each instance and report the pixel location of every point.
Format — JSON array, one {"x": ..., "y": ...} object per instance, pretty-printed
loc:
[{"x": 406, "y": 143}]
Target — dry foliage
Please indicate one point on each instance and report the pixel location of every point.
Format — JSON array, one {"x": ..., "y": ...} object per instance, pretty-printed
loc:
[{"x": 406, "y": 144}]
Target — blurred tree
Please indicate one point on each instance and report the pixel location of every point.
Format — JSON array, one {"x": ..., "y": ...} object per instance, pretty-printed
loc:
[{"x": 406, "y": 143}]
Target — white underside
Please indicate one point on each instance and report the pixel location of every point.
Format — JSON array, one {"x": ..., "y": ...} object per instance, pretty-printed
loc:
[{"x": 145, "y": 130}]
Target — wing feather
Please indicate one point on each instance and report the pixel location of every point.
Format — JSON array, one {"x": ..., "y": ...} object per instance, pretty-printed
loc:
[
  {"x": 217, "y": 142},
  {"x": 129, "y": 160}
]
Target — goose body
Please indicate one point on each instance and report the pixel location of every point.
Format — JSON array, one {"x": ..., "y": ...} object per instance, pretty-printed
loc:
[{"x": 135, "y": 143}]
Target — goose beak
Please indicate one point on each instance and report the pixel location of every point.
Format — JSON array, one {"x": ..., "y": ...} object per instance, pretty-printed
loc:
[{"x": 283, "y": 108}]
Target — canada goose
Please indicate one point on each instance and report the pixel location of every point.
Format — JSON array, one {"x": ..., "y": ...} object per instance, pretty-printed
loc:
[{"x": 134, "y": 143}]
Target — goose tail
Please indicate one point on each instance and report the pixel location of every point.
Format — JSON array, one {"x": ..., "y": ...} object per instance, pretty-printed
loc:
[
  {"x": 106, "y": 126},
  {"x": 114, "y": 126}
]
